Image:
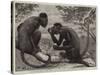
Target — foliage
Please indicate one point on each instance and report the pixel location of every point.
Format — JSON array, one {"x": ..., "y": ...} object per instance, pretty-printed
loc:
[
  {"x": 23, "y": 9},
  {"x": 71, "y": 13},
  {"x": 90, "y": 20},
  {"x": 82, "y": 16}
]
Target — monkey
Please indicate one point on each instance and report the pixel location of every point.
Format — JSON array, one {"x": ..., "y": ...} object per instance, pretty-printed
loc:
[
  {"x": 29, "y": 37},
  {"x": 70, "y": 43}
]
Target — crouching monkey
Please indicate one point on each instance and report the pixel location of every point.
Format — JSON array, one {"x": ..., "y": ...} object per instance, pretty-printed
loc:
[
  {"x": 70, "y": 43},
  {"x": 29, "y": 37}
]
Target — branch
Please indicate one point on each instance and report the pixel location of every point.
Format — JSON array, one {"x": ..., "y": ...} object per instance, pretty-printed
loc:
[
  {"x": 85, "y": 29},
  {"x": 89, "y": 32}
]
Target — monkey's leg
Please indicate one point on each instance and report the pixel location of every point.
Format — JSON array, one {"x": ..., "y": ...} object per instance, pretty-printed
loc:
[
  {"x": 25, "y": 45},
  {"x": 36, "y": 36}
]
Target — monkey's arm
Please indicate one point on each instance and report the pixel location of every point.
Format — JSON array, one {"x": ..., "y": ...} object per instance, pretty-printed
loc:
[
  {"x": 62, "y": 47},
  {"x": 35, "y": 49},
  {"x": 54, "y": 38},
  {"x": 60, "y": 40},
  {"x": 32, "y": 42}
]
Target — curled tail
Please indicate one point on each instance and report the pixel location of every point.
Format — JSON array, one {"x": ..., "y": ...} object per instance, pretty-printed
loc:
[
  {"x": 31, "y": 65},
  {"x": 87, "y": 44},
  {"x": 87, "y": 21}
]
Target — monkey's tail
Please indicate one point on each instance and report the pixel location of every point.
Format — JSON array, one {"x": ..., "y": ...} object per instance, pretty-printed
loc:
[
  {"x": 87, "y": 44},
  {"x": 31, "y": 65},
  {"x": 86, "y": 48}
]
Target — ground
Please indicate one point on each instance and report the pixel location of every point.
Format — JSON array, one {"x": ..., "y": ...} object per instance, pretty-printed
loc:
[{"x": 46, "y": 46}]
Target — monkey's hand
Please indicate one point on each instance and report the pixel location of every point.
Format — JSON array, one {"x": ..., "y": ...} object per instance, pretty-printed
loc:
[
  {"x": 35, "y": 50},
  {"x": 50, "y": 30},
  {"x": 55, "y": 47}
]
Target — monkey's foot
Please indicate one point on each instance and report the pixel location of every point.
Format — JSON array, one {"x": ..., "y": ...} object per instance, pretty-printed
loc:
[
  {"x": 90, "y": 62},
  {"x": 43, "y": 57},
  {"x": 65, "y": 60},
  {"x": 57, "y": 59}
]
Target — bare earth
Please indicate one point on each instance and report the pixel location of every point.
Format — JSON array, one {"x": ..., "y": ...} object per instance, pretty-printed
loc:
[{"x": 45, "y": 45}]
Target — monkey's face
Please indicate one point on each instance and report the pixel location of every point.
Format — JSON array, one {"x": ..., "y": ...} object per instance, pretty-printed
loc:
[
  {"x": 53, "y": 30},
  {"x": 43, "y": 22}
]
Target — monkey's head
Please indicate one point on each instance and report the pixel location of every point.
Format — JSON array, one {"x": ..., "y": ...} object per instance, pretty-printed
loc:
[
  {"x": 55, "y": 29},
  {"x": 43, "y": 19}
]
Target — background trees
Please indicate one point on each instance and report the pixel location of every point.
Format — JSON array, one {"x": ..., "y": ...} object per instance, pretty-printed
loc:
[
  {"x": 79, "y": 16},
  {"x": 24, "y": 9}
]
